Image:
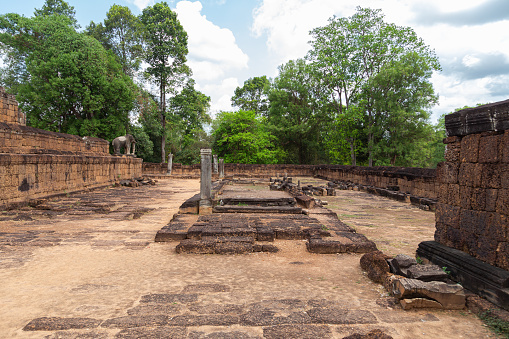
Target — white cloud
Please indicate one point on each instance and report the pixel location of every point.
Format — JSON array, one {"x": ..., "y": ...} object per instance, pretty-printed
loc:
[
  {"x": 214, "y": 55},
  {"x": 285, "y": 25},
  {"x": 222, "y": 91},
  {"x": 141, "y": 4},
  {"x": 209, "y": 45}
]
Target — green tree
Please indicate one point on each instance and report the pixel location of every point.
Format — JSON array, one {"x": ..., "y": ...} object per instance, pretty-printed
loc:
[
  {"x": 295, "y": 116},
  {"x": 74, "y": 85},
  {"x": 400, "y": 95},
  {"x": 122, "y": 33},
  {"x": 166, "y": 50},
  {"x": 58, "y": 7},
  {"x": 189, "y": 114},
  {"x": 350, "y": 52},
  {"x": 253, "y": 96},
  {"x": 241, "y": 137}
]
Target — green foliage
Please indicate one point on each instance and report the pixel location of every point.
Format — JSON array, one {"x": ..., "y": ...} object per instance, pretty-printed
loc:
[
  {"x": 121, "y": 33},
  {"x": 253, "y": 96},
  {"x": 295, "y": 116},
  {"x": 74, "y": 85},
  {"x": 166, "y": 49},
  {"x": 58, "y": 7},
  {"x": 241, "y": 137},
  {"x": 383, "y": 69},
  {"x": 495, "y": 324}
]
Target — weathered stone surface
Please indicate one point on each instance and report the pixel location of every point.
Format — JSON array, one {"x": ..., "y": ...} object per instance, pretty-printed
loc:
[
  {"x": 401, "y": 263},
  {"x": 222, "y": 335},
  {"x": 375, "y": 334},
  {"x": 155, "y": 308},
  {"x": 427, "y": 273},
  {"x": 375, "y": 264},
  {"x": 486, "y": 280},
  {"x": 341, "y": 316},
  {"x": 56, "y": 324},
  {"x": 297, "y": 331},
  {"x": 352, "y": 243},
  {"x": 206, "y": 288},
  {"x": 169, "y": 298},
  {"x": 94, "y": 334},
  {"x": 136, "y": 321},
  {"x": 204, "y": 320},
  {"x": 163, "y": 332},
  {"x": 408, "y": 304},
  {"x": 448, "y": 295}
]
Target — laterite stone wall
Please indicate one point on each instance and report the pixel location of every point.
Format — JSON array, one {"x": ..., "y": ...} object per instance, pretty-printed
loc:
[
  {"x": 472, "y": 214},
  {"x": 9, "y": 111},
  {"x": 35, "y": 163}
]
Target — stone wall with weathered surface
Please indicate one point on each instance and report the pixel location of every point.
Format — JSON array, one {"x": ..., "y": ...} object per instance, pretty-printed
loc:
[
  {"x": 30, "y": 176},
  {"x": 28, "y": 140},
  {"x": 419, "y": 182},
  {"x": 472, "y": 214},
  {"x": 9, "y": 111},
  {"x": 246, "y": 170},
  {"x": 35, "y": 163}
]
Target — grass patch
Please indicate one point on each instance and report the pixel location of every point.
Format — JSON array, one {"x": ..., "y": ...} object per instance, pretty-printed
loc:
[{"x": 497, "y": 326}]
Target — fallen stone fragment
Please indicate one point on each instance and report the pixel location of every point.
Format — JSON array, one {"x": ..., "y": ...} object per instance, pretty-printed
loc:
[
  {"x": 408, "y": 304},
  {"x": 427, "y": 273},
  {"x": 375, "y": 264},
  {"x": 450, "y": 296},
  {"x": 401, "y": 263}
]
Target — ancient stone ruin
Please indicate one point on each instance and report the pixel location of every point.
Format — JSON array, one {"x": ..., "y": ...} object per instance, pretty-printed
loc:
[
  {"x": 472, "y": 215},
  {"x": 35, "y": 163}
]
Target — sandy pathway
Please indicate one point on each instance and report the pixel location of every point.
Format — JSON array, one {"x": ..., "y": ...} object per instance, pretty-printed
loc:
[{"x": 87, "y": 264}]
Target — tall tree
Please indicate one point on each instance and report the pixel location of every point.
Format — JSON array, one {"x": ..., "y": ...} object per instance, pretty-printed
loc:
[
  {"x": 74, "y": 85},
  {"x": 58, "y": 7},
  {"x": 242, "y": 137},
  {"x": 253, "y": 96},
  {"x": 295, "y": 116},
  {"x": 166, "y": 50},
  {"x": 122, "y": 33},
  {"x": 349, "y": 52},
  {"x": 189, "y": 115}
]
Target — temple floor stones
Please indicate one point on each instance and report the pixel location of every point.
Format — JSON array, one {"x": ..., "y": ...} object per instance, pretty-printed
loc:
[{"x": 245, "y": 221}]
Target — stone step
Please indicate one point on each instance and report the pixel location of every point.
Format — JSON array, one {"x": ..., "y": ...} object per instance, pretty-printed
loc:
[
  {"x": 257, "y": 209},
  {"x": 223, "y": 245}
]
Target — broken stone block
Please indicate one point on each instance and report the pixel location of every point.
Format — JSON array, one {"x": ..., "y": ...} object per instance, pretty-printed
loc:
[
  {"x": 427, "y": 273},
  {"x": 408, "y": 304},
  {"x": 450, "y": 296},
  {"x": 400, "y": 264},
  {"x": 375, "y": 264}
]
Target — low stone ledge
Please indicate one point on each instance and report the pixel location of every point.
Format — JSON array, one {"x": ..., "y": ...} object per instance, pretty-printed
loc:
[{"x": 481, "y": 278}]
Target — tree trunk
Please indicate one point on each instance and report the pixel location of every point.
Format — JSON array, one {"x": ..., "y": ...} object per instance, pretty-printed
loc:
[
  {"x": 352, "y": 152},
  {"x": 163, "y": 122}
]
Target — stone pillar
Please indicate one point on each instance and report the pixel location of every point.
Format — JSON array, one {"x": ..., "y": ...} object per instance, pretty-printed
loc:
[
  {"x": 214, "y": 163},
  {"x": 221, "y": 168},
  {"x": 206, "y": 182},
  {"x": 170, "y": 163}
]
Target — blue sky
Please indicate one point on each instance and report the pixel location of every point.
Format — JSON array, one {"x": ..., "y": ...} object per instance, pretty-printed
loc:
[{"x": 232, "y": 40}]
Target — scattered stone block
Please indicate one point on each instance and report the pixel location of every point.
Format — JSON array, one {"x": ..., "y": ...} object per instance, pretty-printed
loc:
[
  {"x": 157, "y": 332},
  {"x": 450, "y": 296},
  {"x": 401, "y": 263},
  {"x": 375, "y": 264},
  {"x": 427, "y": 273},
  {"x": 408, "y": 304},
  {"x": 341, "y": 316}
]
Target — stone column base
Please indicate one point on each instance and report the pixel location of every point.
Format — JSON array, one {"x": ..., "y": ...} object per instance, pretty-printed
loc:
[{"x": 205, "y": 207}]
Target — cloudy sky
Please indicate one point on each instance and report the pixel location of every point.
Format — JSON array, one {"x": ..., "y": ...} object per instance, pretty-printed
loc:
[{"x": 233, "y": 40}]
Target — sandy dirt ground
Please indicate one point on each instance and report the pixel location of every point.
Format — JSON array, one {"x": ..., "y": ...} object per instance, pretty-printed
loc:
[{"x": 86, "y": 257}]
